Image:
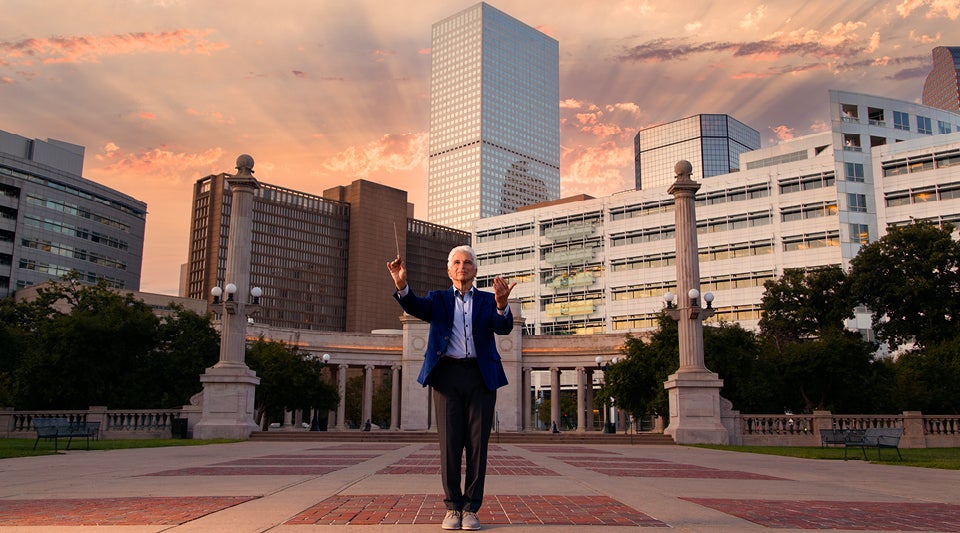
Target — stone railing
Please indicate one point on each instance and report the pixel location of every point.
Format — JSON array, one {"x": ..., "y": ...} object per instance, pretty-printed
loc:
[
  {"x": 919, "y": 430},
  {"x": 114, "y": 423}
]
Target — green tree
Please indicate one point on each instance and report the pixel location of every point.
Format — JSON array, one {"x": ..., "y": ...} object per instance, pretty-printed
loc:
[
  {"x": 910, "y": 279},
  {"x": 90, "y": 355},
  {"x": 187, "y": 345},
  {"x": 749, "y": 381},
  {"x": 803, "y": 304},
  {"x": 926, "y": 380},
  {"x": 635, "y": 382},
  {"x": 289, "y": 380}
]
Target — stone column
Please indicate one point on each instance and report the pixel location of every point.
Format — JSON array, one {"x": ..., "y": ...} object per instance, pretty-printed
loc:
[
  {"x": 693, "y": 391},
  {"x": 229, "y": 386},
  {"x": 581, "y": 401},
  {"x": 342, "y": 391},
  {"x": 555, "y": 397},
  {"x": 367, "y": 394},
  {"x": 589, "y": 398},
  {"x": 527, "y": 403},
  {"x": 395, "y": 398}
]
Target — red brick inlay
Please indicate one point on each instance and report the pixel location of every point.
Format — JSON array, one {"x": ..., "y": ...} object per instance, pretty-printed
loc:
[
  {"x": 249, "y": 471},
  {"x": 627, "y": 467},
  {"x": 312, "y": 460},
  {"x": 567, "y": 449},
  {"x": 368, "y": 446},
  {"x": 497, "y": 465},
  {"x": 874, "y": 516},
  {"x": 502, "y": 509},
  {"x": 113, "y": 511}
]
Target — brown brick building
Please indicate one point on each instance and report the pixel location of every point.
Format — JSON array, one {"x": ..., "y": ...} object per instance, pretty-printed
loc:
[{"x": 320, "y": 260}]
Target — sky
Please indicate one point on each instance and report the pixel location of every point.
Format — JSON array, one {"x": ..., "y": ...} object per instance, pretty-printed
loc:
[{"x": 324, "y": 92}]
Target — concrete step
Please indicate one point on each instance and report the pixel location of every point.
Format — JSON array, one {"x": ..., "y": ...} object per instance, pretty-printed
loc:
[{"x": 533, "y": 437}]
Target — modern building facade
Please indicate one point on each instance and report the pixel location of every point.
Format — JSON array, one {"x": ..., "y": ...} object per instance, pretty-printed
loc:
[
  {"x": 53, "y": 221},
  {"x": 319, "y": 260},
  {"x": 942, "y": 87},
  {"x": 494, "y": 117},
  {"x": 603, "y": 265},
  {"x": 711, "y": 143}
]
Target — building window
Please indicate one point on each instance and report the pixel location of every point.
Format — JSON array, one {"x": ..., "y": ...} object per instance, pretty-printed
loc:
[
  {"x": 901, "y": 120},
  {"x": 924, "y": 125},
  {"x": 943, "y": 127},
  {"x": 857, "y": 202},
  {"x": 854, "y": 171},
  {"x": 860, "y": 233}
]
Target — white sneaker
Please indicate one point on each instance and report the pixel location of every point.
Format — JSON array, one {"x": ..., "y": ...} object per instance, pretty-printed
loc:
[
  {"x": 470, "y": 521},
  {"x": 452, "y": 520}
]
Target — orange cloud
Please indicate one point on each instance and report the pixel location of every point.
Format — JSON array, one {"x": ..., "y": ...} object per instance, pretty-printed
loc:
[
  {"x": 598, "y": 169},
  {"x": 935, "y": 8},
  {"x": 570, "y": 103},
  {"x": 389, "y": 153},
  {"x": 91, "y": 48},
  {"x": 751, "y": 20},
  {"x": 926, "y": 39},
  {"x": 157, "y": 164},
  {"x": 782, "y": 132}
]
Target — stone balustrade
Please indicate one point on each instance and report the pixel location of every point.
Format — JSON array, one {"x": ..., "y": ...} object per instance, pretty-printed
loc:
[{"x": 920, "y": 431}]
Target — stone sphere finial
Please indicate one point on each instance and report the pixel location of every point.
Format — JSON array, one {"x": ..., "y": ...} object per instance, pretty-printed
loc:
[
  {"x": 683, "y": 169},
  {"x": 245, "y": 164}
]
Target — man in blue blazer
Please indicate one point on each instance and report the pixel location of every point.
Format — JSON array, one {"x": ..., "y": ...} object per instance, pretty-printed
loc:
[{"x": 463, "y": 367}]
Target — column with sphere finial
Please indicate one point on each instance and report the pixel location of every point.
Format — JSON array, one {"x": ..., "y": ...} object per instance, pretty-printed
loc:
[
  {"x": 229, "y": 386},
  {"x": 693, "y": 391}
]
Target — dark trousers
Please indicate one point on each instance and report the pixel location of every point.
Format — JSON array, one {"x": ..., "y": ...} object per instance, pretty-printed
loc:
[{"x": 465, "y": 409}]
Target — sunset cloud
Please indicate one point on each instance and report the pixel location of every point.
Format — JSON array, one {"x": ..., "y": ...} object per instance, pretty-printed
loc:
[
  {"x": 392, "y": 152},
  {"x": 782, "y": 133},
  {"x": 934, "y": 8},
  {"x": 598, "y": 168},
  {"x": 157, "y": 164},
  {"x": 215, "y": 117},
  {"x": 751, "y": 20},
  {"x": 92, "y": 48}
]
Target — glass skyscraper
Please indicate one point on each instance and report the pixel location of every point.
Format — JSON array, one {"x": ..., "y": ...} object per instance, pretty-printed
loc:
[
  {"x": 494, "y": 117},
  {"x": 711, "y": 143}
]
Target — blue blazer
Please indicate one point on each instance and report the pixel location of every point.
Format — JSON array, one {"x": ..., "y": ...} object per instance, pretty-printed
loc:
[{"x": 437, "y": 308}]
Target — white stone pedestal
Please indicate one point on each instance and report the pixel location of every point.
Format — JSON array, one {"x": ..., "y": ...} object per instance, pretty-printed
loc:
[
  {"x": 228, "y": 412},
  {"x": 695, "y": 408}
]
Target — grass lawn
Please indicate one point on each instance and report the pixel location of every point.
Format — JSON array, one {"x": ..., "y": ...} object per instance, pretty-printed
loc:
[
  {"x": 945, "y": 458},
  {"x": 24, "y": 447}
]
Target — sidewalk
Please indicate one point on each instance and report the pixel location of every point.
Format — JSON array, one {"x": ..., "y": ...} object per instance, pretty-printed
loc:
[{"x": 300, "y": 487}]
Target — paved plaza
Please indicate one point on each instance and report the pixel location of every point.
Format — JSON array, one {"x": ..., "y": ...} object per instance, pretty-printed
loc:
[{"x": 298, "y": 487}]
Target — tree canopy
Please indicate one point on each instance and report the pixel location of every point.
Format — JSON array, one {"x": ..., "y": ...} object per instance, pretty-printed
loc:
[{"x": 910, "y": 280}]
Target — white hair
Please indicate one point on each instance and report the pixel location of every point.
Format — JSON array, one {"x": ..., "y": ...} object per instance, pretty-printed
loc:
[{"x": 465, "y": 248}]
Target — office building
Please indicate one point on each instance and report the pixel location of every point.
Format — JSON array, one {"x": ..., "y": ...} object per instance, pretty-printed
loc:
[
  {"x": 711, "y": 143},
  {"x": 53, "y": 221},
  {"x": 602, "y": 265},
  {"x": 320, "y": 260},
  {"x": 494, "y": 117},
  {"x": 942, "y": 87}
]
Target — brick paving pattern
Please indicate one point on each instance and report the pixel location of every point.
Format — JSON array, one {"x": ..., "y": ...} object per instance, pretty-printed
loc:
[
  {"x": 113, "y": 511},
  {"x": 582, "y": 450},
  {"x": 624, "y": 467},
  {"x": 500, "y": 509},
  {"x": 873, "y": 516},
  {"x": 273, "y": 465},
  {"x": 497, "y": 465}
]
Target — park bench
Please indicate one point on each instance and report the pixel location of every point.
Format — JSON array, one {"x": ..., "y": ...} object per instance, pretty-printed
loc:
[
  {"x": 873, "y": 438},
  {"x": 832, "y": 436},
  {"x": 56, "y": 428}
]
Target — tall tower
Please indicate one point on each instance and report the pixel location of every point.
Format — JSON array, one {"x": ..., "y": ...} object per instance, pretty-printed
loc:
[
  {"x": 494, "y": 117},
  {"x": 942, "y": 88},
  {"x": 711, "y": 143}
]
